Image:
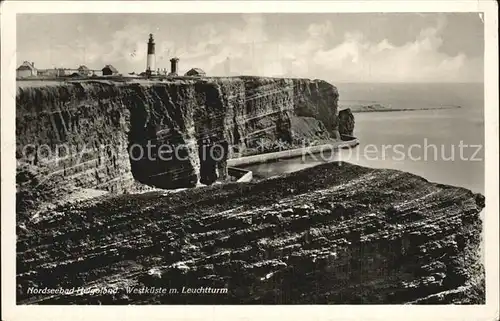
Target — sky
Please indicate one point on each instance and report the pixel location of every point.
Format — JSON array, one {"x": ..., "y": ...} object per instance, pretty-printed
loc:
[{"x": 337, "y": 47}]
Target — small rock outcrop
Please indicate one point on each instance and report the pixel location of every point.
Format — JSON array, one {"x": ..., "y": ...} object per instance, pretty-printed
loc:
[{"x": 346, "y": 122}]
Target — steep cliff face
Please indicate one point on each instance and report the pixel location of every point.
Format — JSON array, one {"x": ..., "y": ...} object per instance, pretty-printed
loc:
[
  {"x": 314, "y": 99},
  {"x": 167, "y": 134},
  {"x": 336, "y": 233},
  {"x": 73, "y": 131}
]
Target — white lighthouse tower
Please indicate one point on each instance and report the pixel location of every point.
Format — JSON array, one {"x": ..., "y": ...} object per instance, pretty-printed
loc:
[{"x": 150, "y": 66}]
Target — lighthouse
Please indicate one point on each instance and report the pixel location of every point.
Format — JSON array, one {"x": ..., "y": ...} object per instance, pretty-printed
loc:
[{"x": 150, "y": 66}]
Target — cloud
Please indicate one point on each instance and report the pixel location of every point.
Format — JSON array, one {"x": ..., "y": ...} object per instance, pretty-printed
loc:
[
  {"x": 420, "y": 60},
  {"x": 353, "y": 58},
  {"x": 318, "y": 50}
]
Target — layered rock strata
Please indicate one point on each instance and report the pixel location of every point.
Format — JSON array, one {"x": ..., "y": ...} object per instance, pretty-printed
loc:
[
  {"x": 332, "y": 234},
  {"x": 171, "y": 134}
]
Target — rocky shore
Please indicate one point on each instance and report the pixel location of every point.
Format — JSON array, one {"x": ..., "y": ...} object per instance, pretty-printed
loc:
[{"x": 332, "y": 234}]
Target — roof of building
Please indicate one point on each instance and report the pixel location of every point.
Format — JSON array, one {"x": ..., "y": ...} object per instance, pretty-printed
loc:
[
  {"x": 83, "y": 67},
  {"x": 110, "y": 67},
  {"x": 198, "y": 71},
  {"x": 26, "y": 66}
]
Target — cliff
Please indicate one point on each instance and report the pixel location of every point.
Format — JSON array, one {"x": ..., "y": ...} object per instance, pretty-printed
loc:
[
  {"x": 169, "y": 134},
  {"x": 335, "y": 233}
]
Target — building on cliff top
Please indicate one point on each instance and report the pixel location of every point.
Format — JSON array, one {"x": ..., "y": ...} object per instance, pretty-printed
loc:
[
  {"x": 52, "y": 72},
  {"x": 109, "y": 70},
  {"x": 84, "y": 70},
  {"x": 26, "y": 69},
  {"x": 195, "y": 72}
]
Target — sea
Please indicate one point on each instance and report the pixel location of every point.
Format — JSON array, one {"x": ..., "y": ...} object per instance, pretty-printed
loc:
[{"x": 444, "y": 146}]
